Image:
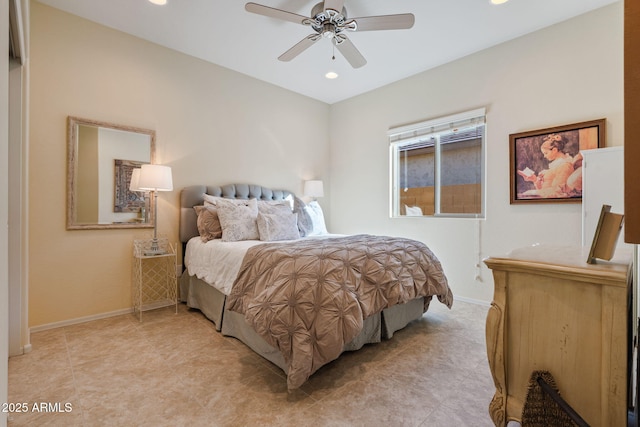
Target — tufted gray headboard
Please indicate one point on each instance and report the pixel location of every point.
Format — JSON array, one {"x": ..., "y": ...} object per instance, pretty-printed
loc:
[{"x": 192, "y": 196}]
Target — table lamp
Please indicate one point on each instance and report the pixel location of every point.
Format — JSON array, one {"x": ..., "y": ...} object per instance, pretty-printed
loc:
[
  {"x": 313, "y": 189},
  {"x": 155, "y": 178}
]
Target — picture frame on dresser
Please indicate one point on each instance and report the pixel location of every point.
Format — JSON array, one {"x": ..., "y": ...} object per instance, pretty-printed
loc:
[
  {"x": 606, "y": 235},
  {"x": 546, "y": 164}
]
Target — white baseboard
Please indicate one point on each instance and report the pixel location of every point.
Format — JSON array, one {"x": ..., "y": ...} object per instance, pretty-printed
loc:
[
  {"x": 22, "y": 350},
  {"x": 77, "y": 320},
  {"x": 63, "y": 323},
  {"x": 157, "y": 304},
  {"x": 472, "y": 301}
]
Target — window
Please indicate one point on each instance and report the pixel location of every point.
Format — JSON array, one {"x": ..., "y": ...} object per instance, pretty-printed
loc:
[{"x": 437, "y": 167}]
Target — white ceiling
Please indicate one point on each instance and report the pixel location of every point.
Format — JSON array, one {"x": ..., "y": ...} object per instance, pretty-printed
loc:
[{"x": 222, "y": 32}]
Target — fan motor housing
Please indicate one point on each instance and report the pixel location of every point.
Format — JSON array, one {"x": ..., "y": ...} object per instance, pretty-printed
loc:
[
  {"x": 319, "y": 9},
  {"x": 328, "y": 23}
]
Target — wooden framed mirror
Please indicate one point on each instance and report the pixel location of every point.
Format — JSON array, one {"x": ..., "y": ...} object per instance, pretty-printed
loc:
[{"x": 101, "y": 157}]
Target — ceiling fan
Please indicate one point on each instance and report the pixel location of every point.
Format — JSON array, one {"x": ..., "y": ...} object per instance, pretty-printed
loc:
[{"x": 329, "y": 20}]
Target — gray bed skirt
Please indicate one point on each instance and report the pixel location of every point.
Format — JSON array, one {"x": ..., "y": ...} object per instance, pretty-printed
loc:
[{"x": 211, "y": 302}]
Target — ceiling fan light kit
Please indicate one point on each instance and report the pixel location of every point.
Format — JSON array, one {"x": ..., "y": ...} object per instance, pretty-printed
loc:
[{"x": 329, "y": 20}]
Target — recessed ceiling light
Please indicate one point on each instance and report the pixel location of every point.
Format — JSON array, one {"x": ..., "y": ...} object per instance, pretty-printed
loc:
[
  {"x": 160, "y": 2},
  {"x": 331, "y": 75},
  {"x": 498, "y": 1}
]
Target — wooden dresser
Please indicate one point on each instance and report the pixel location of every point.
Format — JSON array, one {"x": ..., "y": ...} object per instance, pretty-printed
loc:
[{"x": 552, "y": 311}]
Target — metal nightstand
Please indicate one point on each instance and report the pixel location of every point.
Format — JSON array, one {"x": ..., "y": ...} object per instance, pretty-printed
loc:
[{"x": 154, "y": 283}]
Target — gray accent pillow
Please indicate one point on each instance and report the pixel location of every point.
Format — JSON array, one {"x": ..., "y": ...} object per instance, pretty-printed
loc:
[
  {"x": 274, "y": 207},
  {"x": 305, "y": 226},
  {"x": 278, "y": 226},
  {"x": 238, "y": 220}
]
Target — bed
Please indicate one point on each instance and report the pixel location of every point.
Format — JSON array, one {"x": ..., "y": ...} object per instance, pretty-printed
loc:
[{"x": 300, "y": 302}]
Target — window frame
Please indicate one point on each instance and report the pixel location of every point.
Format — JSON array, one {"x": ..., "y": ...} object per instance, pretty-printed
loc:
[{"x": 401, "y": 136}]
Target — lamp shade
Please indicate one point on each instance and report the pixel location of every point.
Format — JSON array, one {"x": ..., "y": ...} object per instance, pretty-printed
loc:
[
  {"x": 313, "y": 188},
  {"x": 155, "y": 178},
  {"x": 134, "y": 184}
]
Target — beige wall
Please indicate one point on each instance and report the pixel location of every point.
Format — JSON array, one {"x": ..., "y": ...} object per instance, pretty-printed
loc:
[
  {"x": 213, "y": 125},
  {"x": 217, "y": 126},
  {"x": 564, "y": 74}
]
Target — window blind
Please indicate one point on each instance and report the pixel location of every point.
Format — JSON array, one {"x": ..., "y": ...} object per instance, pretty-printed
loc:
[{"x": 457, "y": 127}]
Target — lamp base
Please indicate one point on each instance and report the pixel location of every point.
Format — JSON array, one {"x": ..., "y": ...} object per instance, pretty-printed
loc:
[
  {"x": 155, "y": 249},
  {"x": 156, "y": 252}
]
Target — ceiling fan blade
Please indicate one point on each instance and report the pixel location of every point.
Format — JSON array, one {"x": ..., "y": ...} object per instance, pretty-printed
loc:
[
  {"x": 351, "y": 53},
  {"x": 299, "y": 47},
  {"x": 334, "y": 5},
  {"x": 274, "y": 13},
  {"x": 402, "y": 21}
]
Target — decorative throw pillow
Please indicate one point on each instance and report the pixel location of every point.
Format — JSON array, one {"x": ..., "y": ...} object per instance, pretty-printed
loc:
[
  {"x": 208, "y": 223},
  {"x": 238, "y": 220},
  {"x": 274, "y": 206},
  {"x": 210, "y": 200},
  {"x": 314, "y": 211},
  {"x": 278, "y": 226},
  {"x": 305, "y": 226}
]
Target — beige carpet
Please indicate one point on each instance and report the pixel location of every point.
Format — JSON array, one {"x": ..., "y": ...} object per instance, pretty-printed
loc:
[{"x": 176, "y": 370}]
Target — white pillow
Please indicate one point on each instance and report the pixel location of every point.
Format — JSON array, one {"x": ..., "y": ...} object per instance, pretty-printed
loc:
[
  {"x": 314, "y": 211},
  {"x": 278, "y": 226},
  {"x": 413, "y": 210},
  {"x": 238, "y": 220}
]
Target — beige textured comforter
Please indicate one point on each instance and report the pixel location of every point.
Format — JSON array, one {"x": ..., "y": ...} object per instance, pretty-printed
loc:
[{"x": 309, "y": 298}]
